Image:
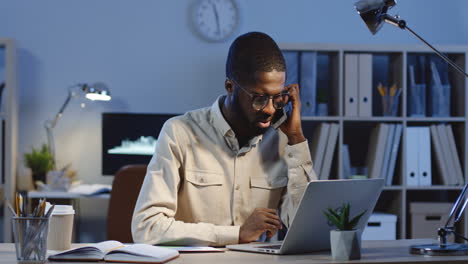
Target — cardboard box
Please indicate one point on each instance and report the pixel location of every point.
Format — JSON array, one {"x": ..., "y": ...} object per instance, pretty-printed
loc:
[
  {"x": 380, "y": 226},
  {"x": 426, "y": 218}
]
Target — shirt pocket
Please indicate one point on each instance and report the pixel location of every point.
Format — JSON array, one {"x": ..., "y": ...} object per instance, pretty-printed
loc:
[
  {"x": 265, "y": 195},
  {"x": 204, "y": 178}
]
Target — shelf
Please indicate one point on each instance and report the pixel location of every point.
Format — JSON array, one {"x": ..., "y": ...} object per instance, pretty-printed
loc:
[
  {"x": 436, "y": 119},
  {"x": 350, "y": 76},
  {"x": 392, "y": 188},
  {"x": 373, "y": 119},
  {"x": 320, "y": 118},
  {"x": 434, "y": 187}
]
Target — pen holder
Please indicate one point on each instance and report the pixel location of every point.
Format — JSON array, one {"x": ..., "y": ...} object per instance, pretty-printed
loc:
[{"x": 30, "y": 235}]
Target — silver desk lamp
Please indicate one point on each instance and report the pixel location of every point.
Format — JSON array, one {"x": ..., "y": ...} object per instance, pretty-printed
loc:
[
  {"x": 95, "y": 92},
  {"x": 374, "y": 14}
]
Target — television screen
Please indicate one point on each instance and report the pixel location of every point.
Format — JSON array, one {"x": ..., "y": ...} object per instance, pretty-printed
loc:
[{"x": 129, "y": 138}]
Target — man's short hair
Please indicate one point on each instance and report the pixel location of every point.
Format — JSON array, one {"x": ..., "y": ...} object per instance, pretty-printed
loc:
[{"x": 251, "y": 53}]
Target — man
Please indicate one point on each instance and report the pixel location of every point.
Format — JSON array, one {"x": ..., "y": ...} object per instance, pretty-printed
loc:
[{"x": 219, "y": 173}]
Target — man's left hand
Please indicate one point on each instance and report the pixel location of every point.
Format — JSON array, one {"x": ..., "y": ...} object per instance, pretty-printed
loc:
[{"x": 292, "y": 126}]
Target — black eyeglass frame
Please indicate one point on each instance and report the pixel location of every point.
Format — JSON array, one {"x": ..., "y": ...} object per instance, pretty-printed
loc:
[{"x": 264, "y": 102}]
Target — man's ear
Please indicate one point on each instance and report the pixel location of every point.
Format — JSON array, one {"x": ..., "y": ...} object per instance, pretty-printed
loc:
[{"x": 229, "y": 86}]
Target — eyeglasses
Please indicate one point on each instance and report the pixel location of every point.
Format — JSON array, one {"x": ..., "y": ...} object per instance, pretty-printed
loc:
[{"x": 260, "y": 101}]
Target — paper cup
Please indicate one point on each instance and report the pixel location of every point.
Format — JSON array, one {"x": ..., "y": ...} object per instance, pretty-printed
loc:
[{"x": 60, "y": 228}]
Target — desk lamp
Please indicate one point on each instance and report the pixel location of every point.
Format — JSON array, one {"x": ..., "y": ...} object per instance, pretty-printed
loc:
[
  {"x": 374, "y": 14},
  {"x": 95, "y": 92}
]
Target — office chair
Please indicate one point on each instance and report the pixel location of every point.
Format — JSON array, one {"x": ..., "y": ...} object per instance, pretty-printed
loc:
[{"x": 125, "y": 190}]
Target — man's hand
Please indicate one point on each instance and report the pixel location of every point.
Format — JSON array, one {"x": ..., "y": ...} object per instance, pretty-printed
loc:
[
  {"x": 292, "y": 126},
  {"x": 261, "y": 220}
]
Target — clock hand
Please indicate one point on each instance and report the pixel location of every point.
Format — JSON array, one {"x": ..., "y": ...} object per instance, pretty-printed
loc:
[{"x": 216, "y": 17}]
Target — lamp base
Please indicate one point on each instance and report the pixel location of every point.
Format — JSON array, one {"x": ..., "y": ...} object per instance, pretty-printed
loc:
[{"x": 451, "y": 249}]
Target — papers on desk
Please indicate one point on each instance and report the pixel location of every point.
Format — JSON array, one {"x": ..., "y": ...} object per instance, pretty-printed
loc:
[
  {"x": 91, "y": 189},
  {"x": 183, "y": 249}
]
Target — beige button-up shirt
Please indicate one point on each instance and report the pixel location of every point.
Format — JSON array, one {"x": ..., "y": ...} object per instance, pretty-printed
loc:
[{"x": 201, "y": 185}]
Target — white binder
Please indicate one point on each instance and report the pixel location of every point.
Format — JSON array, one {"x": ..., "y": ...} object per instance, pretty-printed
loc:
[
  {"x": 411, "y": 145},
  {"x": 365, "y": 85},
  {"x": 424, "y": 157},
  {"x": 351, "y": 84}
]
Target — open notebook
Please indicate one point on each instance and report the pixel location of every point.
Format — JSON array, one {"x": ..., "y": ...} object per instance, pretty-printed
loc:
[{"x": 114, "y": 251}]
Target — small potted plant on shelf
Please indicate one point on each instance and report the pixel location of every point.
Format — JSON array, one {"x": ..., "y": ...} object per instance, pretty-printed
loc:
[
  {"x": 345, "y": 241},
  {"x": 40, "y": 161}
]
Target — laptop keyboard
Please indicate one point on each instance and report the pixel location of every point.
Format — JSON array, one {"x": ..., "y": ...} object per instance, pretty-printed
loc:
[{"x": 271, "y": 247}]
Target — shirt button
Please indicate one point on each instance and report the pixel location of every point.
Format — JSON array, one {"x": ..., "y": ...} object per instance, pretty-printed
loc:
[
  {"x": 236, "y": 218},
  {"x": 290, "y": 155},
  {"x": 202, "y": 180},
  {"x": 237, "y": 187}
]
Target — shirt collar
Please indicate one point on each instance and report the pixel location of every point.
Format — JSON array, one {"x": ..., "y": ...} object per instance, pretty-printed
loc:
[
  {"x": 218, "y": 120},
  {"x": 220, "y": 123}
]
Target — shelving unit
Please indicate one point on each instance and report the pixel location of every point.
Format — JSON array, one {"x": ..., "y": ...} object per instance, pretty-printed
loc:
[
  {"x": 9, "y": 120},
  {"x": 355, "y": 130}
]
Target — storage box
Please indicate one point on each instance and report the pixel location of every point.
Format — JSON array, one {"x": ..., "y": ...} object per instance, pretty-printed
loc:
[
  {"x": 380, "y": 227},
  {"x": 426, "y": 218}
]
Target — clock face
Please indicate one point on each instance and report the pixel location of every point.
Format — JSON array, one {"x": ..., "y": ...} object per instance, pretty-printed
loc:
[{"x": 215, "y": 20}]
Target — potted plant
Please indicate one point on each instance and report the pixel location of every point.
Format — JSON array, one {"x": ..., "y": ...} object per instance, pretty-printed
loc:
[
  {"x": 40, "y": 161},
  {"x": 345, "y": 241}
]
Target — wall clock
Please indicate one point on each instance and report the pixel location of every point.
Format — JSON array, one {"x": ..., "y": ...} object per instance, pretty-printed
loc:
[{"x": 215, "y": 20}]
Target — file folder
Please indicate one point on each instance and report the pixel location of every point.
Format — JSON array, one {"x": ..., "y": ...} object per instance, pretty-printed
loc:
[
  {"x": 424, "y": 157},
  {"x": 365, "y": 85},
  {"x": 308, "y": 85},
  {"x": 292, "y": 66},
  {"x": 351, "y": 84},
  {"x": 412, "y": 162}
]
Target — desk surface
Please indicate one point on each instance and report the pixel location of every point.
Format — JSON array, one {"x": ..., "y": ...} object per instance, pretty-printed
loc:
[
  {"x": 391, "y": 251},
  {"x": 64, "y": 195}
]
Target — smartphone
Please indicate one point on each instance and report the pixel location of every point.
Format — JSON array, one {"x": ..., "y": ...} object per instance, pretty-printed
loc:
[{"x": 281, "y": 116}]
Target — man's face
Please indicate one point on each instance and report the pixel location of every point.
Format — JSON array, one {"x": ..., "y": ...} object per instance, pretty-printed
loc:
[{"x": 268, "y": 83}]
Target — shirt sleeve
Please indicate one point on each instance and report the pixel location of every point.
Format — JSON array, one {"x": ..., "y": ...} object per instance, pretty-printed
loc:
[
  {"x": 300, "y": 172},
  {"x": 154, "y": 215}
]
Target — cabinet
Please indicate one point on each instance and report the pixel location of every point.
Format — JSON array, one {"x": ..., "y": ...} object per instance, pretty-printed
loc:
[
  {"x": 346, "y": 66},
  {"x": 9, "y": 124}
]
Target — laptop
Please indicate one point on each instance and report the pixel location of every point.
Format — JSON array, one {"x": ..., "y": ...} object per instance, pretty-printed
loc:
[{"x": 310, "y": 230}]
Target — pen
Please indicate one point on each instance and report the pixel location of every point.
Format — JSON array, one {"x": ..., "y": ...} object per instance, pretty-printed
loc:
[{"x": 11, "y": 208}]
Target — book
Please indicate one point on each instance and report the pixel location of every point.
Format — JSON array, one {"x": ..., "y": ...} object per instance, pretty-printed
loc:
[
  {"x": 446, "y": 154},
  {"x": 387, "y": 151},
  {"x": 346, "y": 162},
  {"x": 376, "y": 149},
  {"x": 455, "y": 158},
  {"x": 393, "y": 154},
  {"x": 318, "y": 146},
  {"x": 91, "y": 189},
  {"x": 329, "y": 150},
  {"x": 440, "y": 159},
  {"x": 114, "y": 251}
]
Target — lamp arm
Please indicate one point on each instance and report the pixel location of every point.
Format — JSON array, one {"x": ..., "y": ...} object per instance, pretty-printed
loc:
[
  {"x": 394, "y": 20},
  {"x": 50, "y": 124},
  {"x": 457, "y": 207}
]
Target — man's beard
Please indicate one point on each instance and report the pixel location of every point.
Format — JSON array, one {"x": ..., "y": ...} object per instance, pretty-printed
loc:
[{"x": 252, "y": 126}]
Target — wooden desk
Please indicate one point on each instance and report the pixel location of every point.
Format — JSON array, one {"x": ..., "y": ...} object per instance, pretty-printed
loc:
[{"x": 391, "y": 251}]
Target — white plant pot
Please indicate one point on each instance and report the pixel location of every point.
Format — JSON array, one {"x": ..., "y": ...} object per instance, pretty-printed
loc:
[{"x": 345, "y": 245}]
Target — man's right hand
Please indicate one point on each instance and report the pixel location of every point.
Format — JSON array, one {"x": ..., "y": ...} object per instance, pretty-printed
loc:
[{"x": 261, "y": 220}]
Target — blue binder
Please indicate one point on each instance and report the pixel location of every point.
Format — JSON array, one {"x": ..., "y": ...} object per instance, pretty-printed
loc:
[
  {"x": 308, "y": 83},
  {"x": 292, "y": 66}
]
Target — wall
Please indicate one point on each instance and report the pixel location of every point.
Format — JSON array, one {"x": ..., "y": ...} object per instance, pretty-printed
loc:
[{"x": 145, "y": 51}]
